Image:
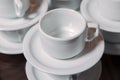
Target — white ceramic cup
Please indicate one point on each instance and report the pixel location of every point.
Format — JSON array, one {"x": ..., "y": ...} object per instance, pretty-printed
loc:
[
  {"x": 110, "y": 9},
  {"x": 111, "y": 37},
  {"x": 63, "y": 33},
  {"x": 15, "y": 36},
  {"x": 72, "y": 4},
  {"x": 13, "y": 8}
]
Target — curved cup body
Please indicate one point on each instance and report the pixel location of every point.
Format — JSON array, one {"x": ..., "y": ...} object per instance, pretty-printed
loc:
[
  {"x": 63, "y": 33},
  {"x": 9, "y": 8},
  {"x": 111, "y": 37}
]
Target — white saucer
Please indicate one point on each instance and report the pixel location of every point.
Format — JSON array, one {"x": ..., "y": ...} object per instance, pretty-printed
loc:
[
  {"x": 37, "y": 57},
  {"x": 35, "y": 74},
  {"x": 28, "y": 20},
  {"x": 112, "y": 48},
  {"x": 90, "y": 11},
  {"x": 8, "y": 47}
]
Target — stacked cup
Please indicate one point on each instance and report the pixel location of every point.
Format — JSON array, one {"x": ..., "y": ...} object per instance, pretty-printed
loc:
[
  {"x": 60, "y": 37},
  {"x": 16, "y": 18},
  {"x": 63, "y": 33},
  {"x": 13, "y": 8}
]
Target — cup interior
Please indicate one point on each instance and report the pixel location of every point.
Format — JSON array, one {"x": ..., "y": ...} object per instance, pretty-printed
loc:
[{"x": 62, "y": 23}]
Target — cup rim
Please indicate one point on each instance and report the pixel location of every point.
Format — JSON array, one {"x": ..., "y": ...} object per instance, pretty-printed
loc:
[{"x": 69, "y": 38}]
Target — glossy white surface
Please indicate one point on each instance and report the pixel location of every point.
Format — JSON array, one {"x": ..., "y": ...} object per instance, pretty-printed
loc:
[
  {"x": 8, "y": 47},
  {"x": 15, "y": 36},
  {"x": 30, "y": 18},
  {"x": 13, "y": 8},
  {"x": 14, "y": 26},
  {"x": 35, "y": 74},
  {"x": 62, "y": 33},
  {"x": 34, "y": 53},
  {"x": 110, "y": 9},
  {"x": 91, "y": 12}
]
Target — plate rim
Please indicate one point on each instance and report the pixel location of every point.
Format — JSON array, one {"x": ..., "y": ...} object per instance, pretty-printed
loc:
[
  {"x": 36, "y": 64},
  {"x": 30, "y": 73},
  {"x": 42, "y": 8},
  {"x": 85, "y": 11},
  {"x": 4, "y": 50}
]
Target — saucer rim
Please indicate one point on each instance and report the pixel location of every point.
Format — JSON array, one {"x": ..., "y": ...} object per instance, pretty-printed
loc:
[
  {"x": 29, "y": 67},
  {"x": 44, "y": 7},
  {"x": 29, "y": 70},
  {"x": 43, "y": 68},
  {"x": 85, "y": 11},
  {"x": 8, "y": 50}
]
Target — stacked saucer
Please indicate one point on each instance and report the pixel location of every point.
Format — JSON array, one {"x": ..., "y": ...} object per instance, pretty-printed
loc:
[
  {"x": 106, "y": 13},
  {"x": 13, "y": 29},
  {"x": 40, "y": 44},
  {"x": 35, "y": 74}
]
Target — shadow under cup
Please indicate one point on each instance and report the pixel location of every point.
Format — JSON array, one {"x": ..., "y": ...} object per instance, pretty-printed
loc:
[{"x": 61, "y": 33}]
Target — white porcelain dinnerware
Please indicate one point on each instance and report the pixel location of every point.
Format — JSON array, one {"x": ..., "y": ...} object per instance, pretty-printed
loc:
[
  {"x": 12, "y": 31},
  {"x": 31, "y": 17},
  {"x": 35, "y": 74},
  {"x": 13, "y": 8},
  {"x": 63, "y": 33},
  {"x": 110, "y": 9},
  {"x": 110, "y": 28},
  {"x": 15, "y": 36},
  {"x": 34, "y": 53},
  {"x": 8, "y": 47}
]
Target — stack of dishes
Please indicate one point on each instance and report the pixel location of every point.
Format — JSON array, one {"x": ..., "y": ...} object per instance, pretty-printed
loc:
[
  {"x": 35, "y": 74},
  {"x": 74, "y": 55},
  {"x": 41, "y": 65},
  {"x": 105, "y": 13},
  {"x": 13, "y": 30}
]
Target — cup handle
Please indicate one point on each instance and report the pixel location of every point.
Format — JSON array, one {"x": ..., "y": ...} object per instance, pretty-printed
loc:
[
  {"x": 18, "y": 8},
  {"x": 95, "y": 34}
]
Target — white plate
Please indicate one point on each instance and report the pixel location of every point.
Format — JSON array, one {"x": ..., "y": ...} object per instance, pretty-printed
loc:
[
  {"x": 112, "y": 48},
  {"x": 35, "y": 74},
  {"x": 90, "y": 10},
  {"x": 37, "y": 57},
  {"x": 31, "y": 17},
  {"x": 8, "y": 47}
]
